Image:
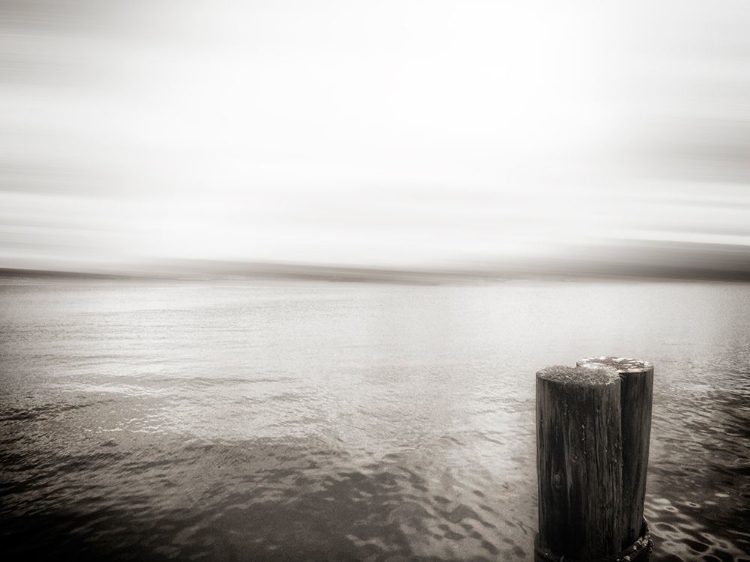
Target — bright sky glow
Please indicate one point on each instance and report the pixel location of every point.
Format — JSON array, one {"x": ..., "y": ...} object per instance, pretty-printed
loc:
[{"x": 385, "y": 133}]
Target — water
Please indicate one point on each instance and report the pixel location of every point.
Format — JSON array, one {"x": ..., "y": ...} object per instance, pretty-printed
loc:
[{"x": 326, "y": 421}]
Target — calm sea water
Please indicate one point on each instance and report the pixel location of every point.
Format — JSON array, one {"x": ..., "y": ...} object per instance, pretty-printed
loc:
[{"x": 326, "y": 421}]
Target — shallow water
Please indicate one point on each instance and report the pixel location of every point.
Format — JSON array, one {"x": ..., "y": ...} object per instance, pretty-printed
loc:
[{"x": 327, "y": 421}]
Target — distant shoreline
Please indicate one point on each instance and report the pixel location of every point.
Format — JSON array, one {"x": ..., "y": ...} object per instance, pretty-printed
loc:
[
  {"x": 620, "y": 260},
  {"x": 405, "y": 277}
]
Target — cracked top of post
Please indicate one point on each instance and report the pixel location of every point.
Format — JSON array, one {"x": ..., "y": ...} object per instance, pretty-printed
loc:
[
  {"x": 622, "y": 364},
  {"x": 586, "y": 376}
]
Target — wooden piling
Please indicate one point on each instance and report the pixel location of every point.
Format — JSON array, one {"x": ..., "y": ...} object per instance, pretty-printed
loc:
[
  {"x": 579, "y": 462},
  {"x": 636, "y": 390}
]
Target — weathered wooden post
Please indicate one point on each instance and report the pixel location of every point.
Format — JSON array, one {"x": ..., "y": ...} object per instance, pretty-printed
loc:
[
  {"x": 585, "y": 505},
  {"x": 636, "y": 389},
  {"x": 578, "y": 461}
]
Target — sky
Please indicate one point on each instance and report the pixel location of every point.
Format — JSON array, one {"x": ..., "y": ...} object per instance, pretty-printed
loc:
[{"x": 388, "y": 134}]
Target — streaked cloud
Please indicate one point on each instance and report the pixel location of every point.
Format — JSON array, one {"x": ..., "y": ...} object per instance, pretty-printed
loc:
[{"x": 393, "y": 134}]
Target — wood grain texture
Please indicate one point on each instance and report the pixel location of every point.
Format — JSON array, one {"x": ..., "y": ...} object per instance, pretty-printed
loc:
[
  {"x": 579, "y": 461},
  {"x": 637, "y": 386}
]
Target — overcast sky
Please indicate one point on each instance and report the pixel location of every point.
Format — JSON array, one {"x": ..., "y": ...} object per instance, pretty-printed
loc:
[{"x": 398, "y": 133}]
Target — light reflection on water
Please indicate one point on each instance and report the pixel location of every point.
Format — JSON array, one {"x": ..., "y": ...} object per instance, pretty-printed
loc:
[{"x": 336, "y": 421}]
